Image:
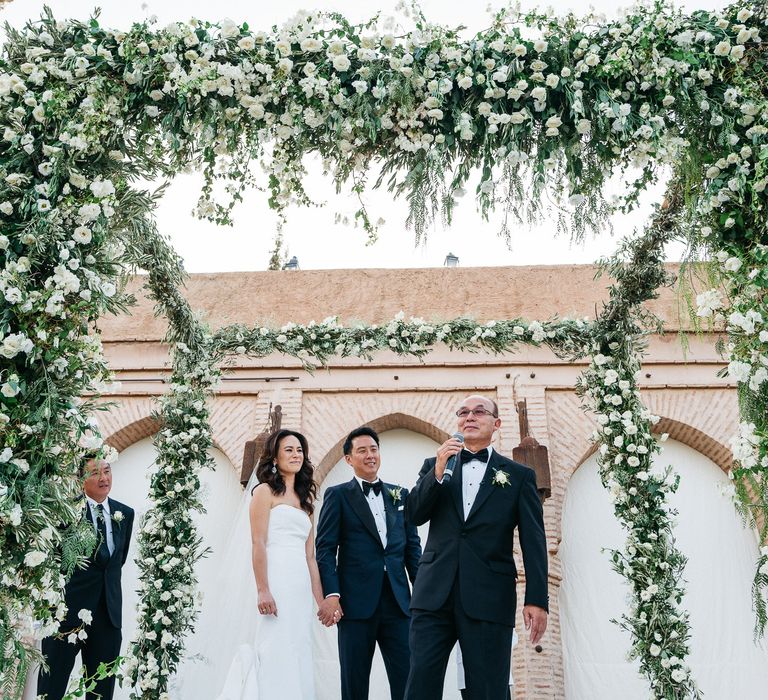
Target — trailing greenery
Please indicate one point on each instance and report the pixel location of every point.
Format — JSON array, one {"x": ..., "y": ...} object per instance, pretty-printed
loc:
[{"x": 544, "y": 108}]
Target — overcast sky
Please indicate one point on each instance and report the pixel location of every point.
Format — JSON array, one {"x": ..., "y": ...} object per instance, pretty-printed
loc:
[{"x": 312, "y": 235}]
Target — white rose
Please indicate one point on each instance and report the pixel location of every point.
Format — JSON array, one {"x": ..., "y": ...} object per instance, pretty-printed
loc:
[
  {"x": 311, "y": 45},
  {"x": 15, "y": 343},
  {"x": 341, "y": 63},
  {"x": 592, "y": 59},
  {"x": 737, "y": 53},
  {"x": 34, "y": 558},
  {"x": 722, "y": 49},
  {"x": 13, "y": 295},
  {"x": 229, "y": 29},
  {"x": 540, "y": 46},
  {"x": 82, "y": 234},
  {"x": 104, "y": 188},
  {"x": 539, "y": 94},
  {"x": 246, "y": 44}
]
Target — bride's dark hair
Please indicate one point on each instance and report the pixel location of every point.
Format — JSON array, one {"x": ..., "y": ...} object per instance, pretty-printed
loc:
[{"x": 268, "y": 473}]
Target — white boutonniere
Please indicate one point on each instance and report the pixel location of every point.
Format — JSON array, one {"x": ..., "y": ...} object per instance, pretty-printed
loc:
[
  {"x": 500, "y": 478},
  {"x": 118, "y": 517},
  {"x": 395, "y": 493}
]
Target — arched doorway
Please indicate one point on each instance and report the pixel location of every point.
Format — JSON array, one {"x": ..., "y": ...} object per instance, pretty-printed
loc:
[
  {"x": 220, "y": 494},
  {"x": 721, "y": 556}
]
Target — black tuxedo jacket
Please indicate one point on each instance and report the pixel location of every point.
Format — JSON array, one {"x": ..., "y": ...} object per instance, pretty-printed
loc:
[
  {"x": 478, "y": 550},
  {"x": 85, "y": 587},
  {"x": 349, "y": 553}
]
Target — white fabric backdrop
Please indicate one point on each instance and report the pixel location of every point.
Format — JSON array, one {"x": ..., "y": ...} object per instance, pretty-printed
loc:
[
  {"x": 221, "y": 495},
  {"x": 721, "y": 557}
]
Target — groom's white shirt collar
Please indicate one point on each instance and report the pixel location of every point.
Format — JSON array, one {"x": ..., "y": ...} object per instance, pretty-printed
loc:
[{"x": 94, "y": 505}]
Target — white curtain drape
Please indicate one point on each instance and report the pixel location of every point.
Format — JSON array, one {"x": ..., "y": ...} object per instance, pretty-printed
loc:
[
  {"x": 221, "y": 495},
  {"x": 721, "y": 557}
]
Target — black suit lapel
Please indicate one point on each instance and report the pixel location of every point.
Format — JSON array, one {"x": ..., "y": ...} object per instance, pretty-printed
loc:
[
  {"x": 117, "y": 530},
  {"x": 357, "y": 502},
  {"x": 457, "y": 489},
  {"x": 87, "y": 512},
  {"x": 390, "y": 509},
  {"x": 486, "y": 485}
]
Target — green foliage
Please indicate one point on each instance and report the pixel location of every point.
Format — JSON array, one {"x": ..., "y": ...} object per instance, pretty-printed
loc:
[{"x": 544, "y": 108}]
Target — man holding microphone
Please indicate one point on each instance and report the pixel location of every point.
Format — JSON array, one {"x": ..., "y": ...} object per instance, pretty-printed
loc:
[{"x": 465, "y": 589}]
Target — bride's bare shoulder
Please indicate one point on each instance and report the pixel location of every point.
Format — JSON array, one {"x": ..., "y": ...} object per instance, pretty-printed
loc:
[{"x": 262, "y": 494}]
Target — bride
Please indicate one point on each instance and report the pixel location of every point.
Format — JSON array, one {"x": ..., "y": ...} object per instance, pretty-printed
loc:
[{"x": 279, "y": 665}]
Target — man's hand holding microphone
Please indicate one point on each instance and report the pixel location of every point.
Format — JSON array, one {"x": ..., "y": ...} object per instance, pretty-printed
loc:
[{"x": 447, "y": 457}]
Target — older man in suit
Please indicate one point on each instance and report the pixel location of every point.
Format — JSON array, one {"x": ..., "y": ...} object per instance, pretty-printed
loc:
[
  {"x": 95, "y": 589},
  {"x": 465, "y": 590},
  {"x": 366, "y": 552}
]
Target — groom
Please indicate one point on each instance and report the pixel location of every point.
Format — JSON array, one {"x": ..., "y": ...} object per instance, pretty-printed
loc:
[
  {"x": 466, "y": 585},
  {"x": 366, "y": 553}
]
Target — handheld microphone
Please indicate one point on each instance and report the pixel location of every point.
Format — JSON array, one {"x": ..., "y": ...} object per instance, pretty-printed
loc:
[{"x": 451, "y": 465}]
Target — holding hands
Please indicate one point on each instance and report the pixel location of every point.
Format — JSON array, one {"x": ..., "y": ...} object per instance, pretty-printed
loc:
[{"x": 330, "y": 612}]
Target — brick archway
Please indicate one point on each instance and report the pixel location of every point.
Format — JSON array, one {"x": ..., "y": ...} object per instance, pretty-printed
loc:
[
  {"x": 688, "y": 435},
  {"x": 128, "y": 422},
  {"x": 391, "y": 421},
  {"x": 133, "y": 432}
]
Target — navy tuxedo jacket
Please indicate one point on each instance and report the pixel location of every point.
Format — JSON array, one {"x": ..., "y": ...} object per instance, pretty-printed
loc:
[
  {"x": 84, "y": 588},
  {"x": 350, "y": 556},
  {"x": 478, "y": 550}
]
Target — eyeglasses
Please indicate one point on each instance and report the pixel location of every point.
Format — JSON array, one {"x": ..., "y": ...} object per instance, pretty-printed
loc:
[{"x": 476, "y": 412}]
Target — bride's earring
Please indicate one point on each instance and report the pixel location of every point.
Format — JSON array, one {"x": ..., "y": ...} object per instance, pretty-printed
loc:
[{"x": 274, "y": 469}]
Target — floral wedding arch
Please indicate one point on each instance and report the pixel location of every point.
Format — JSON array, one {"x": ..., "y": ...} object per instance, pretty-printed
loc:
[{"x": 534, "y": 103}]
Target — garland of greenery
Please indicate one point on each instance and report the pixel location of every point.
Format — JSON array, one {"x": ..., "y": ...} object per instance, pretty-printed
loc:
[
  {"x": 653, "y": 567},
  {"x": 741, "y": 308},
  {"x": 86, "y": 110}
]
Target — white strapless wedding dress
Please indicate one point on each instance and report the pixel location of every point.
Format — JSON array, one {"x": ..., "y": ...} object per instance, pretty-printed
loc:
[{"x": 278, "y": 666}]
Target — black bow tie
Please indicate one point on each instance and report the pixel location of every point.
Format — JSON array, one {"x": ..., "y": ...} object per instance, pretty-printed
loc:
[
  {"x": 467, "y": 456},
  {"x": 368, "y": 487}
]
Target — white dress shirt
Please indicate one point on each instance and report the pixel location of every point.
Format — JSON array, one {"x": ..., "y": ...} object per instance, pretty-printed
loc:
[
  {"x": 472, "y": 474},
  {"x": 376, "y": 504},
  {"x": 107, "y": 520}
]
